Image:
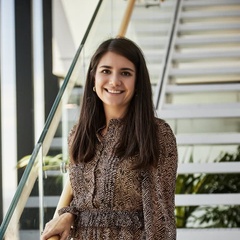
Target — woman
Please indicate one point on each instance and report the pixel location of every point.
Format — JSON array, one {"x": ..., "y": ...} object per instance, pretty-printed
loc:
[{"x": 123, "y": 160}]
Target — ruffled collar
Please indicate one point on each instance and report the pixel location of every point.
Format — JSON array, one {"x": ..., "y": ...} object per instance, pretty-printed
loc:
[{"x": 114, "y": 124}]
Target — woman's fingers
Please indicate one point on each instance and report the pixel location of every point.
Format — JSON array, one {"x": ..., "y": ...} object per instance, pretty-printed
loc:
[
  {"x": 58, "y": 226},
  {"x": 64, "y": 235}
]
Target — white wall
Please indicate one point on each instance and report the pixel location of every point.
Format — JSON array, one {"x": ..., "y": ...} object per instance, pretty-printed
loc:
[{"x": 8, "y": 102}]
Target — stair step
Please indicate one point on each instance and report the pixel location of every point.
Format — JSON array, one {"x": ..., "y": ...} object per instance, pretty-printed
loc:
[
  {"x": 176, "y": 72},
  {"x": 152, "y": 30},
  {"x": 152, "y": 59},
  {"x": 208, "y": 233},
  {"x": 209, "y": 167},
  {"x": 208, "y": 14},
  {"x": 190, "y": 111},
  {"x": 201, "y": 41},
  {"x": 202, "y": 88},
  {"x": 155, "y": 68},
  {"x": 208, "y": 199},
  {"x": 149, "y": 15},
  {"x": 193, "y": 56},
  {"x": 208, "y": 139},
  {"x": 234, "y": 105},
  {"x": 154, "y": 53},
  {"x": 153, "y": 42},
  {"x": 207, "y": 3},
  {"x": 201, "y": 27}
]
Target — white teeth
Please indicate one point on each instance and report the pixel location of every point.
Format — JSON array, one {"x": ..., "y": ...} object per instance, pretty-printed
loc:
[{"x": 113, "y": 91}]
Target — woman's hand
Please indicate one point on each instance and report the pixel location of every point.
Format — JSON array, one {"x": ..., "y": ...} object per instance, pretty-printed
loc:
[{"x": 60, "y": 225}]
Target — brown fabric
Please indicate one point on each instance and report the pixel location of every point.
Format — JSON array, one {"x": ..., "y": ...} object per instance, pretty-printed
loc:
[{"x": 112, "y": 201}]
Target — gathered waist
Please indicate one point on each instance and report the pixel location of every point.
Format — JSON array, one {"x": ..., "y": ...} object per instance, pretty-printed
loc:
[{"x": 110, "y": 218}]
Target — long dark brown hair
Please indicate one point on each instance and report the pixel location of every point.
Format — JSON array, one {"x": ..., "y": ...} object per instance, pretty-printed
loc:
[{"x": 139, "y": 132}]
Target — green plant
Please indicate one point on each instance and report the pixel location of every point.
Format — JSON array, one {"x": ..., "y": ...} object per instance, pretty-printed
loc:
[
  {"x": 209, "y": 216},
  {"x": 49, "y": 162}
]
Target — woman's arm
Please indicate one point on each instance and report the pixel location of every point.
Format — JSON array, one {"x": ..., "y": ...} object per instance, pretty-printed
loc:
[
  {"x": 66, "y": 197},
  {"x": 60, "y": 225},
  {"x": 158, "y": 189}
]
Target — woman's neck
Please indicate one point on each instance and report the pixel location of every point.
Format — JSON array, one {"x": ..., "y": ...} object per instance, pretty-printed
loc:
[{"x": 113, "y": 114}]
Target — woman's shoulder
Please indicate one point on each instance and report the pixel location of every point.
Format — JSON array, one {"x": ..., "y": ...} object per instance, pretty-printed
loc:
[
  {"x": 162, "y": 125},
  {"x": 164, "y": 130}
]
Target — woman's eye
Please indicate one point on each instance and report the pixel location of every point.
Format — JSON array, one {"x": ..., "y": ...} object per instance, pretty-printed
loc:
[
  {"x": 126, "y": 73},
  {"x": 106, "y": 71}
]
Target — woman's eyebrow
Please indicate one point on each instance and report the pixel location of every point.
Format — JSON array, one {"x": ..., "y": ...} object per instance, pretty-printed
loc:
[
  {"x": 128, "y": 69},
  {"x": 105, "y": 66},
  {"x": 124, "y": 68}
]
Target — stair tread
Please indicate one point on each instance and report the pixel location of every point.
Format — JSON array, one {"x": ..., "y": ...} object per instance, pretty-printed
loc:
[
  {"x": 208, "y": 26},
  {"x": 208, "y": 139},
  {"x": 149, "y": 16},
  {"x": 209, "y": 167},
  {"x": 204, "y": 71},
  {"x": 198, "y": 111},
  {"x": 204, "y": 3},
  {"x": 210, "y": 14},
  {"x": 214, "y": 106},
  {"x": 206, "y": 55},
  {"x": 154, "y": 40},
  {"x": 202, "y": 88},
  {"x": 207, "y": 40}
]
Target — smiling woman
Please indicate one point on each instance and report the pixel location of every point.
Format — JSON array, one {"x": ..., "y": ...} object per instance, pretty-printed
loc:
[{"x": 123, "y": 160}]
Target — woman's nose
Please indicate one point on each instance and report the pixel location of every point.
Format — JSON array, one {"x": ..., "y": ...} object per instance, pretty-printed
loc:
[{"x": 114, "y": 80}]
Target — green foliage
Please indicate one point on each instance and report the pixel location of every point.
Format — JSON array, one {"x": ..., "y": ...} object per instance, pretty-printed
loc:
[
  {"x": 49, "y": 162},
  {"x": 209, "y": 216}
]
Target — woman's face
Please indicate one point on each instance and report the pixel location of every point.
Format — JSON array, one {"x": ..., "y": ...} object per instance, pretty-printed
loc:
[{"x": 115, "y": 81}]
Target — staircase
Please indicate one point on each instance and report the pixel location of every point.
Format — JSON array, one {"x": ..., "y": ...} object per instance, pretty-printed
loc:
[{"x": 199, "y": 88}]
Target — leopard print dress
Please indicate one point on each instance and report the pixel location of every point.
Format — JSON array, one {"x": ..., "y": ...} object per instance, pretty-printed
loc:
[{"x": 112, "y": 201}]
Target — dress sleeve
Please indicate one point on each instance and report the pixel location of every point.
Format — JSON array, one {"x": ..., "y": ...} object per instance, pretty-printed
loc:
[{"x": 158, "y": 190}]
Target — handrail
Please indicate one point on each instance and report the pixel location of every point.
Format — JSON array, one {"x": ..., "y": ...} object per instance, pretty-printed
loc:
[
  {"x": 45, "y": 131},
  {"x": 126, "y": 18},
  {"x": 159, "y": 94}
]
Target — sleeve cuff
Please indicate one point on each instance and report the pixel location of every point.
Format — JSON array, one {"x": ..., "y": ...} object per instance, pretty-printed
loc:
[{"x": 68, "y": 209}]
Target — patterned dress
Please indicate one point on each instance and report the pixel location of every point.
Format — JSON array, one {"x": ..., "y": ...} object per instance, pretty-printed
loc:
[{"x": 112, "y": 201}]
